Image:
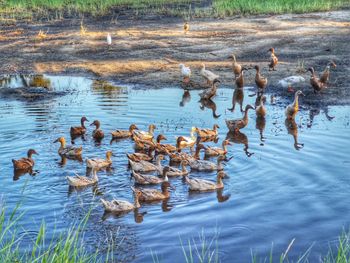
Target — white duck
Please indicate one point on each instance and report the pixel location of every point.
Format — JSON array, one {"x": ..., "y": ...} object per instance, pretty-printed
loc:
[
  {"x": 100, "y": 163},
  {"x": 205, "y": 185},
  {"x": 109, "y": 39},
  {"x": 208, "y": 75},
  {"x": 185, "y": 72},
  {"x": 79, "y": 180},
  {"x": 204, "y": 165},
  {"x": 288, "y": 82}
]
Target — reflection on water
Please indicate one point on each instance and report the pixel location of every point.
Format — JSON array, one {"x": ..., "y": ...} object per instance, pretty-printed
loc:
[{"x": 247, "y": 210}]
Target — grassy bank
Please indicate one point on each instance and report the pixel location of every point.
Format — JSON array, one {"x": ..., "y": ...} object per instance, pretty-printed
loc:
[
  {"x": 228, "y": 7},
  {"x": 62, "y": 8}
]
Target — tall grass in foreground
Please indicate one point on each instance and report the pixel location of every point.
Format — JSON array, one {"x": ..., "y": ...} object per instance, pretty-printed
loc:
[
  {"x": 231, "y": 7},
  {"x": 65, "y": 247}
]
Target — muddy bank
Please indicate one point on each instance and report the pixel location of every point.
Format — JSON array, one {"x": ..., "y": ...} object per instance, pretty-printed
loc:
[{"x": 147, "y": 52}]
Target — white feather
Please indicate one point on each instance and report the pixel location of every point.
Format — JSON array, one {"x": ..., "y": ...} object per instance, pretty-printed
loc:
[
  {"x": 109, "y": 39},
  {"x": 185, "y": 71},
  {"x": 289, "y": 81}
]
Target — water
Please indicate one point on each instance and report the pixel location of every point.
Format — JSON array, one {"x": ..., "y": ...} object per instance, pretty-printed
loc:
[{"x": 274, "y": 192}]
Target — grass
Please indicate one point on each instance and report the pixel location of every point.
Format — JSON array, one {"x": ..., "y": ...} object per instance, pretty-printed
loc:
[
  {"x": 63, "y": 247},
  {"x": 57, "y": 9},
  {"x": 228, "y": 7}
]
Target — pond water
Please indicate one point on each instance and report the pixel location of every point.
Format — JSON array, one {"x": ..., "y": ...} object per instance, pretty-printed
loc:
[{"x": 275, "y": 191}]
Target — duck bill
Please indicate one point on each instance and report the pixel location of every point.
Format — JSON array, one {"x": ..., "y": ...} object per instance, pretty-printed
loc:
[{"x": 55, "y": 141}]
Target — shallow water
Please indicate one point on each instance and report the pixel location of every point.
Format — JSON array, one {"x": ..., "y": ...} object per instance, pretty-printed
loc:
[{"x": 274, "y": 192}]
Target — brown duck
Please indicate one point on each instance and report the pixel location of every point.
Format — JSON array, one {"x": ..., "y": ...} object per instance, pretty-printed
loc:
[
  {"x": 325, "y": 74},
  {"x": 260, "y": 108},
  {"x": 260, "y": 81},
  {"x": 315, "y": 82},
  {"x": 186, "y": 27},
  {"x": 149, "y": 195},
  {"x": 25, "y": 163},
  {"x": 164, "y": 148},
  {"x": 236, "y": 68},
  {"x": 97, "y": 134},
  {"x": 79, "y": 130},
  {"x": 119, "y": 134},
  {"x": 208, "y": 133},
  {"x": 273, "y": 59},
  {"x": 238, "y": 124},
  {"x": 240, "y": 79}
]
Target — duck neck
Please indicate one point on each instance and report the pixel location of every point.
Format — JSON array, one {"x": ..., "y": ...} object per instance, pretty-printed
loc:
[
  {"x": 183, "y": 167},
  {"x": 219, "y": 182},
  {"x": 234, "y": 59},
  {"x": 158, "y": 160},
  {"x": 108, "y": 157},
  {"x": 83, "y": 124},
  {"x": 196, "y": 154},
  {"x": 224, "y": 146},
  {"x": 136, "y": 200},
  {"x": 178, "y": 148},
  {"x": 296, "y": 101},
  {"x": 97, "y": 126},
  {"x": 94, "y": 175},
  {"x": 246, "y": 114},
  {"x": 219, "y": 164},
  {"x": 63, "y": 144},
  {"x": 151, "y": 130},
  {"x": 29, "y": 155}
]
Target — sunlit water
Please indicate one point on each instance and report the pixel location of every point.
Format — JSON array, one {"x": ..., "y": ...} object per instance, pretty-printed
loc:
[{"x": 275, "y": 192}]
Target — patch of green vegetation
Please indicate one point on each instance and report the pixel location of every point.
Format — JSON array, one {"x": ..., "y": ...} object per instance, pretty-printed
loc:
[
  {"x": 62, "y": 247},
  {"x": 230, "y": 7}
]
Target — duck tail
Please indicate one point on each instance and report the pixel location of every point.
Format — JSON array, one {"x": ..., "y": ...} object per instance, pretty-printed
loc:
[
  {"x": 13, "y": 161},
  {"x": 104, "y": 203}
]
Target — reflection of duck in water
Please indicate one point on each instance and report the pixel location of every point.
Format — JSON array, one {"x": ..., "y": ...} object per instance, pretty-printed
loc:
[
  {"x": 292, "y": 129},
  {"x": 239, "y": 138},
  {"x": 210, "y": 105},
  {"x": 221, "y": 197},
  {"x": 260, "y": 125},
  {"x": 314, "y": 112},
  {"x": 138, "y": 217},
  {"x": 186, "y": 97},
  {"x": 18, "y": 173},
  {"x": 238, "y": 96},
  {"x": 64, "y": 158}
]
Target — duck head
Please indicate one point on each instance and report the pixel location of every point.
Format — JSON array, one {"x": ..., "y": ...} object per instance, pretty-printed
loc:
[
  {"x": 109, "y": 154},
  {"x": 272, "y": 50},
  {"x": 257, "y": 68},
  {"x": 133, "y": 127},
  {"x": 31, "y": 152},
  {"x": 215, "y": 127},
  {"x": 299, "y": 92},
  {"x": 61, "y": 140},
  {"x": 96, "y": 123},
  {"x": 248, "y": 107},
  {"x": 312, "y": 70},
  {"x": 161, "y": 137}
]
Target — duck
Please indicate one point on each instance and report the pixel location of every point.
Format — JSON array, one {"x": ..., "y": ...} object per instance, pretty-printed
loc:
[
  {"x": 79, "y": 130},
  {"x": 196, "y": 184},
  {"x": 204, "y": 165},
  {"x": 288, "y": 82},
  {"x": 207, "y": 74},
  {"x": 315, "y": 82},
  {"x": 121, "y": 206},
  {"x": 97, "y": 134},
  {"x": 78, "y": 180},
  {"x": 150, "y": 179},
  {"x": 260, "y": 81},
  {"x": 273, "y": 60},
  {"x": 208, "y": 133},
  {"x": 185, "y": 72},
  {"x": 120, "y": 134},
  {"x": 186, "y": 27},
  {"x": 100, "y": 163},
  {"x": 25, "y": 163},
  {"x": 164, "y": 148},
  {"x": 188, "y": 142},
  {"x": 136, "y": 157},
  {"x": 292, "y": 109},
  {"x": 109, "y": 39},
  {"x": 260, "y": 110},
  {"x": 239, "y": 80},
  {"x": 178, "y": 157},
  {"x": 324, "y": 78},
  {"x": 207, "y": 94},
  {"x": 172, "y": 171},
  {"x": 145, "y": 166},
  {"x": 143, "y": 134},
  {"x": 238, "y": 124},
  {"x": 149, "y": 195},
  {"x": 141, "y": 144},
  {"x": 236, "y": 68},
  {"x": 216, "y": 151},
  {"x": 68, "y": 150}
]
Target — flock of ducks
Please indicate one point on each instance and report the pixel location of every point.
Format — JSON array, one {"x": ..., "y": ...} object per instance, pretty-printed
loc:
[{"x": 150, "y": 150}]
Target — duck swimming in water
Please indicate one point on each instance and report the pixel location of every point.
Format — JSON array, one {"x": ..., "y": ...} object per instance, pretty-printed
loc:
[
  {"x": 97, "y": 134},
  {"x": 120, "y": 134},
  {"x": 68, "y": 150},
  {"x": 25, "y": 163},
  {"x": 196, "y": 184},
  {"x": 79, "y": 130},
  {"x": 100, "y": 163},
  {"x": 121, "y": 206}
]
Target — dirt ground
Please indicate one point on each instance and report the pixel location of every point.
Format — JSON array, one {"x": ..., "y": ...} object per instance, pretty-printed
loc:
[{"x": 147, "y": 52}]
